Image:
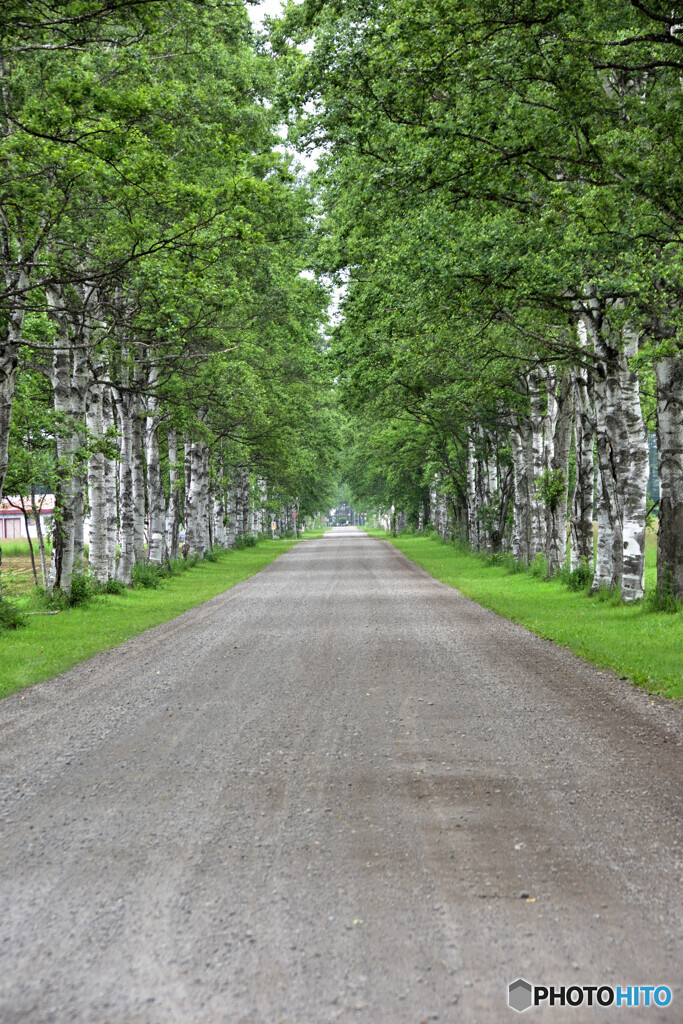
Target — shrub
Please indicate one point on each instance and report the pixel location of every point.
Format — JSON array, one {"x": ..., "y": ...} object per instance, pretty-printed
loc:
[
  {"x": 580, "y": 578},
  {"x": 113, "y": 586},
  {"x": 80, "y": 592},
  {"x": 608, "y": 594},
  {"x": 210, "y": 556},
  {"x": 662, "y": 598},
  {"x": 10, "y": 617},
  {"x": 145, "y": 574},
  {"x": 247, "y": 540},
  {"x": 539, "y": 567}
]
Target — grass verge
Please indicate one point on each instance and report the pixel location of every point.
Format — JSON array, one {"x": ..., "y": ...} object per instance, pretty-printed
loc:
[
  {"x": 637, "y": 644},
  {"x": 50, "y": 644}
]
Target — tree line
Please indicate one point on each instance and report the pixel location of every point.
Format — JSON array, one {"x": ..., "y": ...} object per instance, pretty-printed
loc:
[
  {"x": 502, "y": 193},
  {"x": 161, "y": 362}
]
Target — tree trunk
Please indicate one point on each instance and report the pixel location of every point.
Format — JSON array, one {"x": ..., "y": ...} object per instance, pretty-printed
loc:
[
  {"x": 581, "y": 530},
  {"x": 68, "y": 382},
  {"x": 669, "y": 374},
  {"x": 634, "y": 470},
  {"x": 124, "y": 569},
  {"x": 537, "y": 456},
  {"x": 138, "y": 478},
  {"x": 174, "y": 486},
  {"x": 110, "y": 488},
  {"x": 472, "y": 507},
  {"x": 623, "y": 464},
  {"x": 560, "y": 411},
  {"x": 156, "y": 499},
  {"x": 231, "y": 516},
  {"x": 97, "y": 494},
  {"x": 520, "y": 441},
  {"x": 36, "y": 509},
  {"x": 196, "y": 499}
]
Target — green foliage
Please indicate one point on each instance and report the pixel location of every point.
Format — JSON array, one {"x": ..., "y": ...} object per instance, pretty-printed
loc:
[
  {"x": 551, "y": 487},
  {"x": 580, "y": 578},
  {"x": 80, "y": 591},
  {"x": 146, "y": 575},
  {"x": 10, "y": 616},
  {"x": 246, "y": 540},
  {"x": 539, "y": 568},
  {"x": 662, "y": 598},
  {"x": 113, "y": 586}
]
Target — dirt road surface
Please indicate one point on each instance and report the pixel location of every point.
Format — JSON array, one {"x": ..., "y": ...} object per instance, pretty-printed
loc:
[{"x": 338, "y": 792}]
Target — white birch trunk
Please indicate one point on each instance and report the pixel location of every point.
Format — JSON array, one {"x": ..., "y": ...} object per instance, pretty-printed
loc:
[
  {"x": 560, "y": 411},
  {"x": 623, "y": 464},
  {"x": 581, "y": 531},
  {"x": 231, "y": 511},
  {"x": 126, "y": 561},
  {"x": 97, "y": 491},
  {"x": 520, "y": 441},
  {"x": 196, "y": 499},
  {"x": 138, "y": 478},
  {"x": 174, "y": 487},
  {"x": 188, "y": 512},
  {"x": 69, "y": 385},
  {"x": 110, "y": 488},
  {"x": 669, "y": 374},
  {"x": 220, "y": 534},
  {"x": 634, "y": 472},
  {"x": 537, "y": 460},
  {"x": 205, "y": 499},
  {"x": 156, "y": 499},
  {"x": 242, "y": 502}
]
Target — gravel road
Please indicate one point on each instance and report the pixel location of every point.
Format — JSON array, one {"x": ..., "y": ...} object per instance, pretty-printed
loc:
[{"x": 340, "y": 791}]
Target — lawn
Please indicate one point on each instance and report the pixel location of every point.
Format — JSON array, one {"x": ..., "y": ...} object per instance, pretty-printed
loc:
[
  {"x": 50, "y": 644},
  {"x": 637, "y": 644}
]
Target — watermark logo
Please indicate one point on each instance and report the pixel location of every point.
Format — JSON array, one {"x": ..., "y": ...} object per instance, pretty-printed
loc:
[{"x": 522, "y": 995}]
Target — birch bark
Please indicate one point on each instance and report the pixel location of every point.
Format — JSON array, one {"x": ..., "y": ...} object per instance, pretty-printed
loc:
[
  {"x": 124, "y": 569},
  {"x": 97, "y": 491},
  {"x": 69, "y": 385},
  {"x": 196, "y": 499},
  {"x": 581, "y": 527},
  {"x": 560, "y": 413},
  {"x": 669, "y": 375},
  {"x": 472, "y": 517},
  {"x": 110, "y": 488},
  {"x": 540, "y": 387},
  {"x": 156, "y": 499},
  {"x": 174, "y": 487},
  {"x": 520, "y": 440},
  {"x": 231, "y": 528},
  {"x": 623, "y": 465},
  {"x": 138, "y": 476}
]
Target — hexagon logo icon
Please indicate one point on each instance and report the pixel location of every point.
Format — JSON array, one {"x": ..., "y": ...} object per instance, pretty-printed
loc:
[{"x": 519, "y": 995}]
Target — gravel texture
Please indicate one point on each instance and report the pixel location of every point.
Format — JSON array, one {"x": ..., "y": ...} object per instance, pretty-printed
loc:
[{"x": 340, "y": 791}]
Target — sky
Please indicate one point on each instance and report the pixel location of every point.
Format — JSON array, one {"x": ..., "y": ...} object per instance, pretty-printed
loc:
[{"x": 265, "y": 7}]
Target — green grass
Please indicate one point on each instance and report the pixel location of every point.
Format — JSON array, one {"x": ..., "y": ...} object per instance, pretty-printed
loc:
[
  {"x": 636, "y": 644},
  {"x": 50, "y": 644},
  {"x": 20, "y": 548}
]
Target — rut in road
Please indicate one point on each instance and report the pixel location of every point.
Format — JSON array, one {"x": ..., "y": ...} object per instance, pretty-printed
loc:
[{"x": 338, "y": 792}]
